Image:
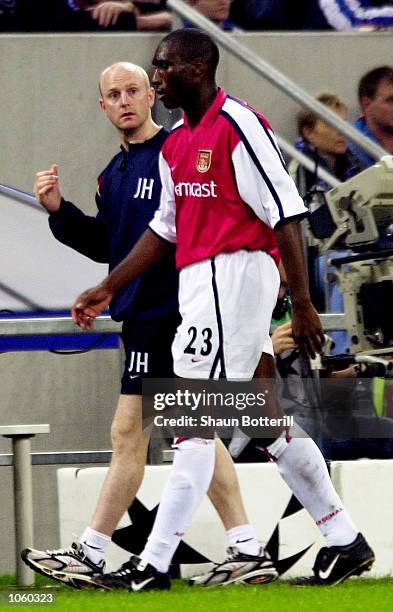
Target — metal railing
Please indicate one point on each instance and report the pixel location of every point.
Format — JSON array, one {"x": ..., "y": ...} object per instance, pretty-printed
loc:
[
  {"x": 50, "y": 326},
  {"x": 41, "y": 326},
  {"x": 21, "y": 196},
  {"x": 277, "y": 78}
]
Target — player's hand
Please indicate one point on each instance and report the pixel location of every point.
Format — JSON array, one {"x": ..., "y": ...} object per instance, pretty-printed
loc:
[
  {"x": 282, "y": 338},
  {"x": 307, "y": 329},
  {"x": 90, "y": 304},
  {"x": 46, "y": 188},
  {"x": 107, "y": 13}
]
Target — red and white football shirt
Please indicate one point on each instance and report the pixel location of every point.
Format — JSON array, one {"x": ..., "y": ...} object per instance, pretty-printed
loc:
[{"x": 224, "y": 185}]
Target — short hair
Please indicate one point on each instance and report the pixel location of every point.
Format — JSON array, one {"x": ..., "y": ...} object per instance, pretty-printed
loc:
[
  {"x": 369, "y": 82},
  {"x": 192, "y": 43},
  {"x": 306, "y": 118}
]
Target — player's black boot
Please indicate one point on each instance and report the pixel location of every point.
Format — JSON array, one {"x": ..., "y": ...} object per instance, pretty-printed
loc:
[
  {"x": 337, "y": 563},
  {"x": 135, "y": 575}
]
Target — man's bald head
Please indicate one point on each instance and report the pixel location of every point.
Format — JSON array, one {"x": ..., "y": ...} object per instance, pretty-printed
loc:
[
  {"x": 120, "y": 68},
  {"x": 127, "y": 99}
]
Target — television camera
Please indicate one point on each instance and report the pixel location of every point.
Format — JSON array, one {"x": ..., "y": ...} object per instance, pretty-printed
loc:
[{"x": 359, "y": 216}]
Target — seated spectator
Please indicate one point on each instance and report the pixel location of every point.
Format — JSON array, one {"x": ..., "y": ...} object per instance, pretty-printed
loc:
[
  {"x": 64, "y": 16},
  {"x": 107, "y": 13},
  {"x": 216, "y": 10},
  {"x": 96, "y": 15},
  {"x": 329, "y": 150},
  {"x": 357, "y": 14},
  {"x": 339, "y": 415},
  {"x": 312, "y": 14},
  {"x": 149, "y": 15},
  {"x": 152, "y": 15},
  {"x": 83, "y": 15},
  {"x": 324, "y": 145},
  {"x": 271, "y": 15},
  {"x": 375, "y": 94},
  {"x": 7, "y": 15}
]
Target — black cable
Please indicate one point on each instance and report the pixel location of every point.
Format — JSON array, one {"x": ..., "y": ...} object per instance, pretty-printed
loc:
[{"x": 92, "y": 346}]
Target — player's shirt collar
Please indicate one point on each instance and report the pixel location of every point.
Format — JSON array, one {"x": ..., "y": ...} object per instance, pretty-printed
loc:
[{"x": 212, "y": 112}]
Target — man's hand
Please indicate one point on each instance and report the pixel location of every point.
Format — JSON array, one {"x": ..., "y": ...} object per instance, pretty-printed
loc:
[
  {"x": 107, "y": 13},
  {"x": 46, "y": 188},
  {"x": 282, "y": 338},
  {"x": 307, "y": 329},
  {"x": 90, "y": 304}
]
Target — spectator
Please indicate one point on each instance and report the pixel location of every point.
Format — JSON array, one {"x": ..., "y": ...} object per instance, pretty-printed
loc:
[
  {"x": 66, "y": 16},
  {"x": 338, "y": 414},
  {"x": 357, "y": 14},
  {"x": 312, "y": 14},
  {"x": 147, "y": 15},
  {"x": 329, "y": 150},
  {"x": 83, "y": 15},
  {"x": 324, "y": 145},
  {"x": 152, "y": 15},
  {"x": 7, "y": 15},
  {"x": 270, "y": 15},
  {"x": 216, "y": 10},
  {"x": 375, "y": 94}
]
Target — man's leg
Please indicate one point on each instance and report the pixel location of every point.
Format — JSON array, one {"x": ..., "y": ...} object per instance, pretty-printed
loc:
[
  {"x": 224, "y": 490},
  {"x": 123, "y": 478},
  {"x": 247, "y": 560},
  {"x": 119, "y": 489}
]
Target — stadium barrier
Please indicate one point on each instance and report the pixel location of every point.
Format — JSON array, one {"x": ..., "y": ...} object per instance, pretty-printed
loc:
[{"x": 291, "y": 536}]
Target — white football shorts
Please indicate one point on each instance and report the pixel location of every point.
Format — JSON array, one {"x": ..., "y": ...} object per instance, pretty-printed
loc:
[{"x": 226, "y": 304}]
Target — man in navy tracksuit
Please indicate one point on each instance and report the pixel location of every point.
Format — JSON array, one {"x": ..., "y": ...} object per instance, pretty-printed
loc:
[{"x": 128, "y": 195}]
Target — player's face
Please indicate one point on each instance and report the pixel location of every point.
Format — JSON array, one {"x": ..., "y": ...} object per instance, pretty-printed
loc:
[
  {"x": 379, "y": 109},
  {"x": 172, "y": 77},
  {"x": 325, "y": 138},
  {"x": 126, "y": 98}
]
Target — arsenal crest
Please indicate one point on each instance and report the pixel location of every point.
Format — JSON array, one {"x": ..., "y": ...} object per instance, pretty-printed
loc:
[{"x": 204, "y": 160}]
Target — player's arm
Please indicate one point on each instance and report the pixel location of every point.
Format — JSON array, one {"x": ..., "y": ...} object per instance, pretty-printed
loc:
[
  {"x": 69, "y": 225},
  {"x": 265, "y": 185},
  {"x": 307, "y": 329}
]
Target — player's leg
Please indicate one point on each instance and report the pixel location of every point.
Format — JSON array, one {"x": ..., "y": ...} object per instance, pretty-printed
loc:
[
  {"x": 298, "y": 459},
  {"x": 199, "y": 351},
  {"x": 185, "y": 488},
  {"x": 303, "y": 468}
]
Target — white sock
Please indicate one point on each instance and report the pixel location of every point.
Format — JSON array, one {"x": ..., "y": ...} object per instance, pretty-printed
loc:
[
  {"x": 245, "y": 539},
  {"x": 303, "y": 468},
  {"x": 185, "y": 488},
  {"x": 94, "y": 544}
]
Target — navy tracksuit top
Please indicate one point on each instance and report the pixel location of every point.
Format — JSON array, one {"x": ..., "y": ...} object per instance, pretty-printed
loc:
[{"x": 128, "y": 195}]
